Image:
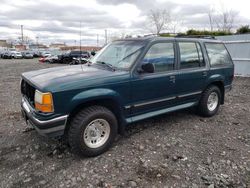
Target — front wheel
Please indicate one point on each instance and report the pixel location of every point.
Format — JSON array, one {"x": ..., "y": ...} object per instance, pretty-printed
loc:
[
  {"x": 210, "y": 101},
  {"x": 92, "y": 131},
  {"x": 66, "y": 60}
]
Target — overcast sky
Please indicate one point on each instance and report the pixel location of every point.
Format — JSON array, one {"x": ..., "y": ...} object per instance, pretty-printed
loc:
[{"x": 59, "y": 20}]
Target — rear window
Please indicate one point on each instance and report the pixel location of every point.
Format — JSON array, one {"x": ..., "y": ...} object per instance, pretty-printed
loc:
[{"x": 218, "y": 54}]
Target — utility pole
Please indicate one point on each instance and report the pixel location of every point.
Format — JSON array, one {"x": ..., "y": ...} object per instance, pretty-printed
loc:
[
  {"x": 37, "y": 41},
  {"x": 106, "y": 36},
  {"x": 80, "y": 36},
  {"x": 97, "y": 40},
  {"x": 22, "y": 33}
]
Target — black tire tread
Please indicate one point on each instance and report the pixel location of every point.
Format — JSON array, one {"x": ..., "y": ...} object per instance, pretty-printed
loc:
[
  {"x": 82, "y": 116},
  {"x": 202, "y": 108}
]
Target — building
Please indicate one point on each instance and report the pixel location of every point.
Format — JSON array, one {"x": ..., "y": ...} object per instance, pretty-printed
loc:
[
  {"x": 37, "y": 46},
  {"x": 83, "y": 48},
  {"x": 57, "y": 45},
  {"x": 20, "y": 47},
  {"x": 3, "y": 43}
]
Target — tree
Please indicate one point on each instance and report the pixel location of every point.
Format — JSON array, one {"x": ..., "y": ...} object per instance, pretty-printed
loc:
[
  {"x": 206, "y": 32},
  {"x": 210, "y": 17},
  {"x": 223, "y": 19},
  {"x": 158, "y": 20},
  {"x": 243, "y": 29}
]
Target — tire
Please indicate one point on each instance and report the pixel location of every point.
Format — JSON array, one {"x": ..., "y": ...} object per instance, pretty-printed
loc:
[
  {"x": 207, "y": 106},
  {"x": 84, "y": 124},
  {"x": 66, "y": 60}
]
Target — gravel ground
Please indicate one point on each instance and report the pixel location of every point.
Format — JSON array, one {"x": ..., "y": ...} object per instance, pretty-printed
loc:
[{"x": 176, "y": 150}]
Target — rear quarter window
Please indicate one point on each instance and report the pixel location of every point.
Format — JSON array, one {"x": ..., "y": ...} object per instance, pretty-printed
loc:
[{"x": 217, "y": 54}]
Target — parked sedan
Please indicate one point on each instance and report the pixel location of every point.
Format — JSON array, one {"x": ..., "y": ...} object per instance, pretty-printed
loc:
[
  {"x": 68, "y": 57},
  {"x": 6, "y": 55},
  {"x": 45, "y": 54},
  {"x": 16, "y": 55},
  {"x": 49, "y": 59},
  {"x": 27, "y": 55}
]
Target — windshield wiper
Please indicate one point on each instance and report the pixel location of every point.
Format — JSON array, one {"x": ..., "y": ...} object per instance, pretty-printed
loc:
[{"x": 107, "y": 64}]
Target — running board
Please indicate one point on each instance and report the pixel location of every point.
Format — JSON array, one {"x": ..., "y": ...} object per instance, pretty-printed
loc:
[{"x": 159, "y": 112}]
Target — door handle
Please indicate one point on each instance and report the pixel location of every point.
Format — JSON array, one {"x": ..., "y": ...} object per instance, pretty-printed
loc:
[
  {"x": 172, "y": 78},
  {"x": 204, "y": 73}
]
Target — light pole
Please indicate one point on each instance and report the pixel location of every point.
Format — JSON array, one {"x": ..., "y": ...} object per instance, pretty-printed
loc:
[
  {"x": 22, "y": 33},
  {"x": 106, "y": 36},
  {"x": 37, "y": 41},
  {"x": 80, "y": 37},
  {"x": 97, "y": 40}
]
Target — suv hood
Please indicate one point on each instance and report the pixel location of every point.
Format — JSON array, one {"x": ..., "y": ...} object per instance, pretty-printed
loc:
[{"x": 65, "y": 77}]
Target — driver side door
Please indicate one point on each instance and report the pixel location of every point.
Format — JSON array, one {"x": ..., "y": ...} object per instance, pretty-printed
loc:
[{"x": 156, "y": 90}]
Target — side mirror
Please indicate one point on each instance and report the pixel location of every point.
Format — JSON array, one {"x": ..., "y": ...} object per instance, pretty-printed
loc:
[
  {"x": 93, "y": 53},
  {"x": 148, "y": 68}
]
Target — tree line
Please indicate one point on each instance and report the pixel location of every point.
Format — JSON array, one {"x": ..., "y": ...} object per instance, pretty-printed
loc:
[{"x": 219, "y": 22}]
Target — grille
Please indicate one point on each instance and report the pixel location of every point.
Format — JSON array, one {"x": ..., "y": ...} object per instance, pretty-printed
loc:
[{"x": 28, "y": 91}]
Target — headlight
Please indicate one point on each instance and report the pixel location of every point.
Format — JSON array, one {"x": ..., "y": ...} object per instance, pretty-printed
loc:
[{"x": 44, "y": 102}]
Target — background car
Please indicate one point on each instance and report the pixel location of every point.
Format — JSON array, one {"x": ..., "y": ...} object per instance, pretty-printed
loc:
[
  {"x": 27, "y": 55},
  {"x": 35, "y": 54},
  {"x": 6, "y": 55},
  {"x": 68, "y": 57},
  {"x": 49, "y": 59},
  {"x": 1, "y": 53},
  {"x": 16, "y": 55},
  {"x": 45, "y": 54}
]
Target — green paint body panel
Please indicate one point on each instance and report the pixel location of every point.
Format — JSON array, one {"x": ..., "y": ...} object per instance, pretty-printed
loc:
[{"x": 139, "y": 96}]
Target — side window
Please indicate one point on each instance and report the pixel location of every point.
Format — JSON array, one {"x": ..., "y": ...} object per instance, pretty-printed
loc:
[
  {"x": 190, "y": 55},
  {"x": 217, "y": 53},
  {"x": 161, "y": 55}
]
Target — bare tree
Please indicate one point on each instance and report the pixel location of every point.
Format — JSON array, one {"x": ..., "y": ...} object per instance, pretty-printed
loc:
[
  {"x": 223, "y": 19},
  {"x": 175, "y": 24},
  {"x": 158, "y": 20},
  {"x": 210, "y": 17}
]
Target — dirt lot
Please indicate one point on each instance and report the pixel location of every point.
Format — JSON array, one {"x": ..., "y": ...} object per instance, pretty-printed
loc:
[{"x": 175, "y": 150}]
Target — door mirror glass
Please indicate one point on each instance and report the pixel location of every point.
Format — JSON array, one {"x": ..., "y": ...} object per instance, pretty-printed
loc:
[{"x": 148, "y": 68}]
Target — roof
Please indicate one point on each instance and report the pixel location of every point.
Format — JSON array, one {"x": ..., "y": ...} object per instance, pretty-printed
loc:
[{"x": 156, "y": 38}]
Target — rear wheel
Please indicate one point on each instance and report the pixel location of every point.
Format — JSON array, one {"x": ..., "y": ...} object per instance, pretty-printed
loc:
[
  {"x": 210, "y": 101},
  {"x": 92, "y": 131}
]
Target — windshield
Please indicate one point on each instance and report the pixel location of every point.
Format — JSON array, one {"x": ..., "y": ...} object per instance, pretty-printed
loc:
[{"x": 119, "y": 54}]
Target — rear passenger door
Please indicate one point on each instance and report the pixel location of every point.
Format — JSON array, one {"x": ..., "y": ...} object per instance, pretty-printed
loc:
[{"x": 192, "y": 73}]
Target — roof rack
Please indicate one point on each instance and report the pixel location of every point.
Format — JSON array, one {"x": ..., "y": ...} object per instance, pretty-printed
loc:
[
  {"x": 196, "y": 36},
  {"x": 150, "y": 35}
]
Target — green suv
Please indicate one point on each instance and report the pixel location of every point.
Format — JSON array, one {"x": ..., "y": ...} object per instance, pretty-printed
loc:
[{"x": 127, "y": 81}]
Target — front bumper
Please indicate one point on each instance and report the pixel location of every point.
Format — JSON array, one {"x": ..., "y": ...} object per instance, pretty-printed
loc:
[{"x": 51, "y": 127}]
